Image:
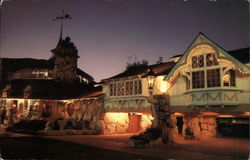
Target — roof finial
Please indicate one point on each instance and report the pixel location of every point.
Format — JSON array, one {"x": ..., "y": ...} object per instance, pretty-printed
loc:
[{"x": 61, "y": 18}]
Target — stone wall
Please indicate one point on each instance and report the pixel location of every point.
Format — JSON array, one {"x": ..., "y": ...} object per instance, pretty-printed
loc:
[
  {"x": 200, "y": 126},
  {"x": 87, "y": 112},
  {"x": 118, "y": 123},
  {"x": 77, "y": 114}
]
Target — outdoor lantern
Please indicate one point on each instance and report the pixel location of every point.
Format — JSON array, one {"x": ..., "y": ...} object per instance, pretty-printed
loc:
[{"x": 151, "y": 80}]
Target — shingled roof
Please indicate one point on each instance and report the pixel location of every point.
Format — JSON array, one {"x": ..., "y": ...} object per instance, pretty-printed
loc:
[
  {"x": 242, "y": 55},
  {"x": 158, "y": 69}
]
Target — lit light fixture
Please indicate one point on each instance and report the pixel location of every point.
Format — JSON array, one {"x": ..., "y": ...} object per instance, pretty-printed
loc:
[
  {"x": 151, "y": 80},
  {"x": 226, "y": 78}
]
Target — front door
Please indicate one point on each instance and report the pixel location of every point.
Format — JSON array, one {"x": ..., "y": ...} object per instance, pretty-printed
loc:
[{"x": 134, "y": 124}]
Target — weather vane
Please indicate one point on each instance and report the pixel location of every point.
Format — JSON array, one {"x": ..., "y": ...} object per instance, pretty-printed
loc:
[{"x": 62, "y": 18}]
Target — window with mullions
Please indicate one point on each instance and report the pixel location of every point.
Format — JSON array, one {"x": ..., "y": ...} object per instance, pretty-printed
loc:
[
  {"x": 129, "y": 88},
  {"x": 125, "y": 88},
  {"x": 120, "y": 89},
  {"x": 140, "y": 87},
  {"x": 111, "y": 89},
  {"x": 211, "y": 59},
  {"x": 198, "y": 79},
  {"x": 213, "y": 78},
  {"x": 198, "y": 61},
  {"x": 229, "y": 78}
]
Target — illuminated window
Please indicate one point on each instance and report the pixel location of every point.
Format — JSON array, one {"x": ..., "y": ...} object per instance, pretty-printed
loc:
[
  {"x": 198, "y": 79},
  {"x": 229, "y": 78},
  {"x": 39, "y": 74},
  {"x": 83, "y": 79},
  {"x": 211, "y": 60},
  {"x": 213, "y": 78}
]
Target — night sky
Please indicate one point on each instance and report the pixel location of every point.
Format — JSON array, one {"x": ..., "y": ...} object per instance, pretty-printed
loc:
[{"x": 107, "y": 32}]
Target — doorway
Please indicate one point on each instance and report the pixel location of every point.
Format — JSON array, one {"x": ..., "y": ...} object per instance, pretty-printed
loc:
[
  {"x": 179, "y": 124},
  {"x": 134, "y": 123}
]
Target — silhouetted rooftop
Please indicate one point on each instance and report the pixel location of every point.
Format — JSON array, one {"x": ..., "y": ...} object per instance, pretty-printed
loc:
[
  {"x": 49, "y": 89},
  {"x": 158, "y": 69}
]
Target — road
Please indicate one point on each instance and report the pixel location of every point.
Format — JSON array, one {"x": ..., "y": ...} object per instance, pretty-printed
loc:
[{"x": 106, "y": 147}]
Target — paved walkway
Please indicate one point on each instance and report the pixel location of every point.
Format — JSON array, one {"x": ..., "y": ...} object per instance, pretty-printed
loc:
[{"x": 209, "y": 149}]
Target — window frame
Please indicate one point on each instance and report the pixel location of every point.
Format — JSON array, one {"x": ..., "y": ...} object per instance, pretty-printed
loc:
[
  {"x": 125, "y": 88},
  {"x": 210, "y": 65}
]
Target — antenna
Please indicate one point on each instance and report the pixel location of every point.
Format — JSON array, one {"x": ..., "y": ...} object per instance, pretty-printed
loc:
[{"x": 62, "y": 18}]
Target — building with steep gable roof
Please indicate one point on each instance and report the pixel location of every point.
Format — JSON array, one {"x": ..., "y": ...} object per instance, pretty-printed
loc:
[{"x": 210, "y": 88}]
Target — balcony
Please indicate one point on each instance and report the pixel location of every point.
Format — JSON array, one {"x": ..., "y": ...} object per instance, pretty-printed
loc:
[{"x": 211, "y": 97}]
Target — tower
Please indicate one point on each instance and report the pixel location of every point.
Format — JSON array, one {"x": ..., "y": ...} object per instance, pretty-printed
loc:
[{"x": 65, "y": 60}]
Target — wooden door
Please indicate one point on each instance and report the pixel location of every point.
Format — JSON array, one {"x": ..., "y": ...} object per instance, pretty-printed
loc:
[{"x": 134, "y": 123}]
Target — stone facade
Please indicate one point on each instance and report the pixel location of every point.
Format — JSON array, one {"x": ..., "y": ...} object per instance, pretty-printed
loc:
[
  {"x": 118, "y": 123},
  {"x": 66, "y": 56},
  {"x": 83, "y": 113}
]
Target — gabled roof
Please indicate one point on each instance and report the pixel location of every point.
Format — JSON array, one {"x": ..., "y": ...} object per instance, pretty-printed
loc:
[
  {"x": 202, "y": 39},
  {"x": 158, "y": 69},
  {"x": 242, "y": 55}
]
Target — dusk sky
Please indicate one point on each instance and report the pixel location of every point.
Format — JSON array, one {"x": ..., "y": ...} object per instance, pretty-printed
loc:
[{"x": 107, "y": 32}]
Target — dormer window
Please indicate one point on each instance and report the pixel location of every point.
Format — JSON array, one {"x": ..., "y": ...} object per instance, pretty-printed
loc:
[
  {"x": 211, "y": 60},
  {"x": 198, "y": 61}
]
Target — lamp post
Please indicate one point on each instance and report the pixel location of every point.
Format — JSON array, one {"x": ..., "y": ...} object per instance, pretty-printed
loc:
[{"x": 151, "y": 80}]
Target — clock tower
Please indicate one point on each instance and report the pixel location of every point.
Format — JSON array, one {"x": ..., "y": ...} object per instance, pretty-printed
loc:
[{"x": 65, "y": 60}]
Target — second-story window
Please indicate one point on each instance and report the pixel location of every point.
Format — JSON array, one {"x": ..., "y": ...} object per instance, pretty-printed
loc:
[
  {"x": 229, "y": 78},
  {"x": 125, "y": 88},
  {"x": 198, "y": 79},
  {"x": 198, "y": 61},
  {"x": 213, "y": 78},
  {"x": 211, "y": 59}
]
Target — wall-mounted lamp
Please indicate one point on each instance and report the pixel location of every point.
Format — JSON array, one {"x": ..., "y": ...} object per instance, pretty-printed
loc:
[{"x": 151, "y": 80}]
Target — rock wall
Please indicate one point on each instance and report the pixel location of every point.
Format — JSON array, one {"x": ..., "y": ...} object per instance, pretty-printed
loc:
[
  {"x": 173, "y": 129},
  {"x": 146, "y": 122},
  {"x": 84, "y": 113},
  {"x": 115, "y": 123},
  {"x": 118, "y": 123},
  {"x": 200, "y": 126}
]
